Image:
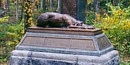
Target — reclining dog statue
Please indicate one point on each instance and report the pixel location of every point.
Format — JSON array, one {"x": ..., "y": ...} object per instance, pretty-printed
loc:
[{"x": 51, "y": 19}]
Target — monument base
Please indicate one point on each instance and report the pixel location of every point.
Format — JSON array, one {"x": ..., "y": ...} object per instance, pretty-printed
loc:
[
  {"x": 19, "y": 57},
  {"x": 64, "y": 46}
]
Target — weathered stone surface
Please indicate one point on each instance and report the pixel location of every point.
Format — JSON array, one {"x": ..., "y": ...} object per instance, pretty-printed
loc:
[
  {"x": 65, "y": 43},
  {"x": 41, "y": 48},
  {"x": 70, "y": 31},
  {"x": 43, "y": 58}
]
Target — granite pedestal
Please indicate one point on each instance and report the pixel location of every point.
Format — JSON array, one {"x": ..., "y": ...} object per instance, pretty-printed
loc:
[{"x": 64, "y": 46}]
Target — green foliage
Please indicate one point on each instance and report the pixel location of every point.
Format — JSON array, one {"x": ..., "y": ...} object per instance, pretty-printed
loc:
[
  {"x": 116, "y": 26},
  {"x": 125, "y": 63},
  {"x": 4, "y": 19},
  {"x": 10, "y": 35},
  {"x": 90, "y": 17}
]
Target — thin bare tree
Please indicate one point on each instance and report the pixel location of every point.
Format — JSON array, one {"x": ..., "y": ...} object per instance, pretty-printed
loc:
[
  {"x": 0, "y": 3},
  {"x": 58, "y": 8},
  {"x": 22, "y": 12},
  {"x": 8, "y": 5},
  {"x": 51, "y": 5},
  {"x": 96, "y": 6},
  {"x": 16, "y": 9}
]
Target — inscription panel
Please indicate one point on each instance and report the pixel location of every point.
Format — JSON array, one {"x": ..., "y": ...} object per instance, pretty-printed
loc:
[
  {"x": 33, "y": 41},
  {"x": 53, "y": 42},
  {"x": 103, "y": 42},
  {"x": 85, "y": 44},
  {"x": 57, "y": 42}
]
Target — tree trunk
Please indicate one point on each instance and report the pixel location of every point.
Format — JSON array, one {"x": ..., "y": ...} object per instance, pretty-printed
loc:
[
  {"x": 51, "y": 5},
  {"x": 16, "y": 9},
  {"x": 0, "y": 3},
  {"x": 22, "y": 16},
  {"x": 58, "y": 8},
  {"x": 8, "y": 5},
  {"x": 96, "y": 6},
  {"x": 43, "y": 6},
  {"x": 4, "y": 4},
  {"x": 127, "y": 2},
  {"x": 107, "y": 6}
]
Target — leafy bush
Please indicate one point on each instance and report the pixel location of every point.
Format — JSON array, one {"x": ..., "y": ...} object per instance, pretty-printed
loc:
[
  {"x": 116, "y": 25},
  {"x": 125, "y": 63},
  {"x": 4, "y": 19},
  {"x": 90, "y": 17},
  {"x": 10, "y": 35}
]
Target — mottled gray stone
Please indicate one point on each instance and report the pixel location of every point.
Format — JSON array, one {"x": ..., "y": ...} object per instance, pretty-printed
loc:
[{"x": 43, "y": 58}]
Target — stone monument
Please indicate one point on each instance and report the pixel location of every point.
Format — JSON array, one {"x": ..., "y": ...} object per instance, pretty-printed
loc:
[
  {"x": 64, "y": 46},
  {"x": 70, "y": 45}
]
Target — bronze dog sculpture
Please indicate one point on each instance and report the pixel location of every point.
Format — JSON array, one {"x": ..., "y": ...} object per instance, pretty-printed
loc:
[{"x": 51, "y": 19}]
